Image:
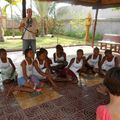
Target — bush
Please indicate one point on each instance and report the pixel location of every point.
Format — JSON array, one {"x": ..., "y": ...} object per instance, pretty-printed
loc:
[
  {"x": 98, "y": 36},
  {"x": 81, "y": 35},
  {"x": 11, "y": 32},
  {"x": 75, "y": 34}
]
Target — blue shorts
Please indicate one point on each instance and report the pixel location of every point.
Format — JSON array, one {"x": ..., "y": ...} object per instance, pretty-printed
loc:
[
  {"x": 35, "y": 79},
  {"x": 21, "y": 81}
]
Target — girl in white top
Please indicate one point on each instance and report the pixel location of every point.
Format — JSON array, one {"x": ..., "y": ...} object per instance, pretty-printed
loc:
[
  {"x": 40, "y": 69},
  {"x": 25, "y": 75},
  {"x": 93, "y": 61},
  {"x": 59, "y": 60},
  {"x": 60, "y": 55},
  {"x": 109, "y": 61},
  {"x": 75, "y": 65},
  {"x": 7, "y": 67},
  {"x": 26, "y": 70}
]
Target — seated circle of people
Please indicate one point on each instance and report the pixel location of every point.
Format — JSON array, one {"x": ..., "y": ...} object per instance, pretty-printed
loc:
[
  {"x": 59, "y": 59},
  {"x": 93, "y": 61},
  {"x": 72, "y": 71},
  {"x": 7, "y": 67},
  {"x": 109, "y": 61},
  {"x": 41, "y": 69}
]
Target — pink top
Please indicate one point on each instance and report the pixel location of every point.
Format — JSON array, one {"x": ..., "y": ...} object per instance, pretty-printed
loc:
[{"x": 103, "y": 113}]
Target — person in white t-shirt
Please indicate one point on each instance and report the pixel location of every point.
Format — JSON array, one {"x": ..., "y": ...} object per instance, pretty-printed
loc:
[
  {"x": 93, "y": 61},
  {"x": 7, "y": 67},
  {"x": 29, "y": 28},
  {"x": 76, "y": 65},
  {"x": 109, "y": 61}
]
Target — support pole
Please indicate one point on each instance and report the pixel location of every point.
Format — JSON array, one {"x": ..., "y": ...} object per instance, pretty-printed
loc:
[
  {"x": 23, "y": 8},
  {"x": 94, "y": 27}
]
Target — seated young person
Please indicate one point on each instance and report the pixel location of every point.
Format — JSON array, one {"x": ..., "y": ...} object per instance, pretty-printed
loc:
[
  {"x": 48, "y": 61},
  {"x": 7, "y": 67},
  {"x": 109, "y": 61},
  {"x": 25, "y": 80},
  {"x": 60, "y": 59},
  {"x": 40, "y": 68},
  {"x": 93, "y": 61},
  {"x": 26, "y": 71},
  {"x": 71, "y": 73}
]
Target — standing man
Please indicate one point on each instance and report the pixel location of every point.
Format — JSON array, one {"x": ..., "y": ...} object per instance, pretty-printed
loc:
[{"x": 29, "y": 28}]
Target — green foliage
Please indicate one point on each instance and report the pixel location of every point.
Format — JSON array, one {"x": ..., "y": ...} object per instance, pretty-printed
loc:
[
  {"x": 58, "y": 29},
  {"x": 77, "y": 22},
  {"x": 116, "y": 8},
  {"x": 75, "y": 34},
  {"x": 81, "y": 35},
  {"x": 9, "y": 3},
  {"x": 9, "y": 32},
  {"x": 98, "y": 36}
]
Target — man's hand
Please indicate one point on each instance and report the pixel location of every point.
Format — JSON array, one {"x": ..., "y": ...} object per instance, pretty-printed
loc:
[{"x": 21, "y": 27}]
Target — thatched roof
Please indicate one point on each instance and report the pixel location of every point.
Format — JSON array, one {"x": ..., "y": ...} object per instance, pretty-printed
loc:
[{"x": 94, "y": 3}]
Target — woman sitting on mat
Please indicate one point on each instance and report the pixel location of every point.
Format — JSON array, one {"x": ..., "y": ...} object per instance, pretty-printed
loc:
[
  {"x": 26, "y": 81},
  {"x": 40, "y": 69},
  {"x": 109, "y": 61},
  {"x": 59, "y": 59},
  {"x": 71, "y": 73},
  {"x": 48, "y": 61},
  {"x": 93, "y": 61},
  {"x": 7, "y": 67}
]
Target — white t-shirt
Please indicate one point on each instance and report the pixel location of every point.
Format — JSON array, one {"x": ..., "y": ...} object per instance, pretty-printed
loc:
[
  {"x": 108, "y": 65},
  {"x": 94, "y": 62},
  {"x": 29, "y": 69},
  {"x": 41, "y": 67},
  {"x": 76, "y": 66}
]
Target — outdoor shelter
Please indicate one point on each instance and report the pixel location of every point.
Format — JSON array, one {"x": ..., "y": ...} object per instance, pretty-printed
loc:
[{"x": 97, "y": 4}]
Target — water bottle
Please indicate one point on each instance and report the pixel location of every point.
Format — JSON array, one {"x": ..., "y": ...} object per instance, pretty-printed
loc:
[
  {"x": 79, "y": 80},
  {"x": 1, "y": 83}
]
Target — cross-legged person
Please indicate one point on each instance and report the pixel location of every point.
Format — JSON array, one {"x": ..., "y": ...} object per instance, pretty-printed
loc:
[
  {"x": 93, "y": 61},
  {"x": 109, "y": 61},
  {"x": 72, "y": 71},
  {"x": 59, "y": 59}
]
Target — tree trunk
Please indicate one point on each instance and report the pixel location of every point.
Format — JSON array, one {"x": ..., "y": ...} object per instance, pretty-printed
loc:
[
  {"x": 1, "y": 34},
  {"x": 42, "y": 28}
]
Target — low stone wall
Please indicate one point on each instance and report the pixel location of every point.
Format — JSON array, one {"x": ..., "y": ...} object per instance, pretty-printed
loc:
[{"x": 109, "y": 26}]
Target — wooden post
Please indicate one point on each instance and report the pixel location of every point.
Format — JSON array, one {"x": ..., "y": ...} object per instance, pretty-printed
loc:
[
  {"x": 94, "y": 27},
  {"x": 23, "y": 8}
]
